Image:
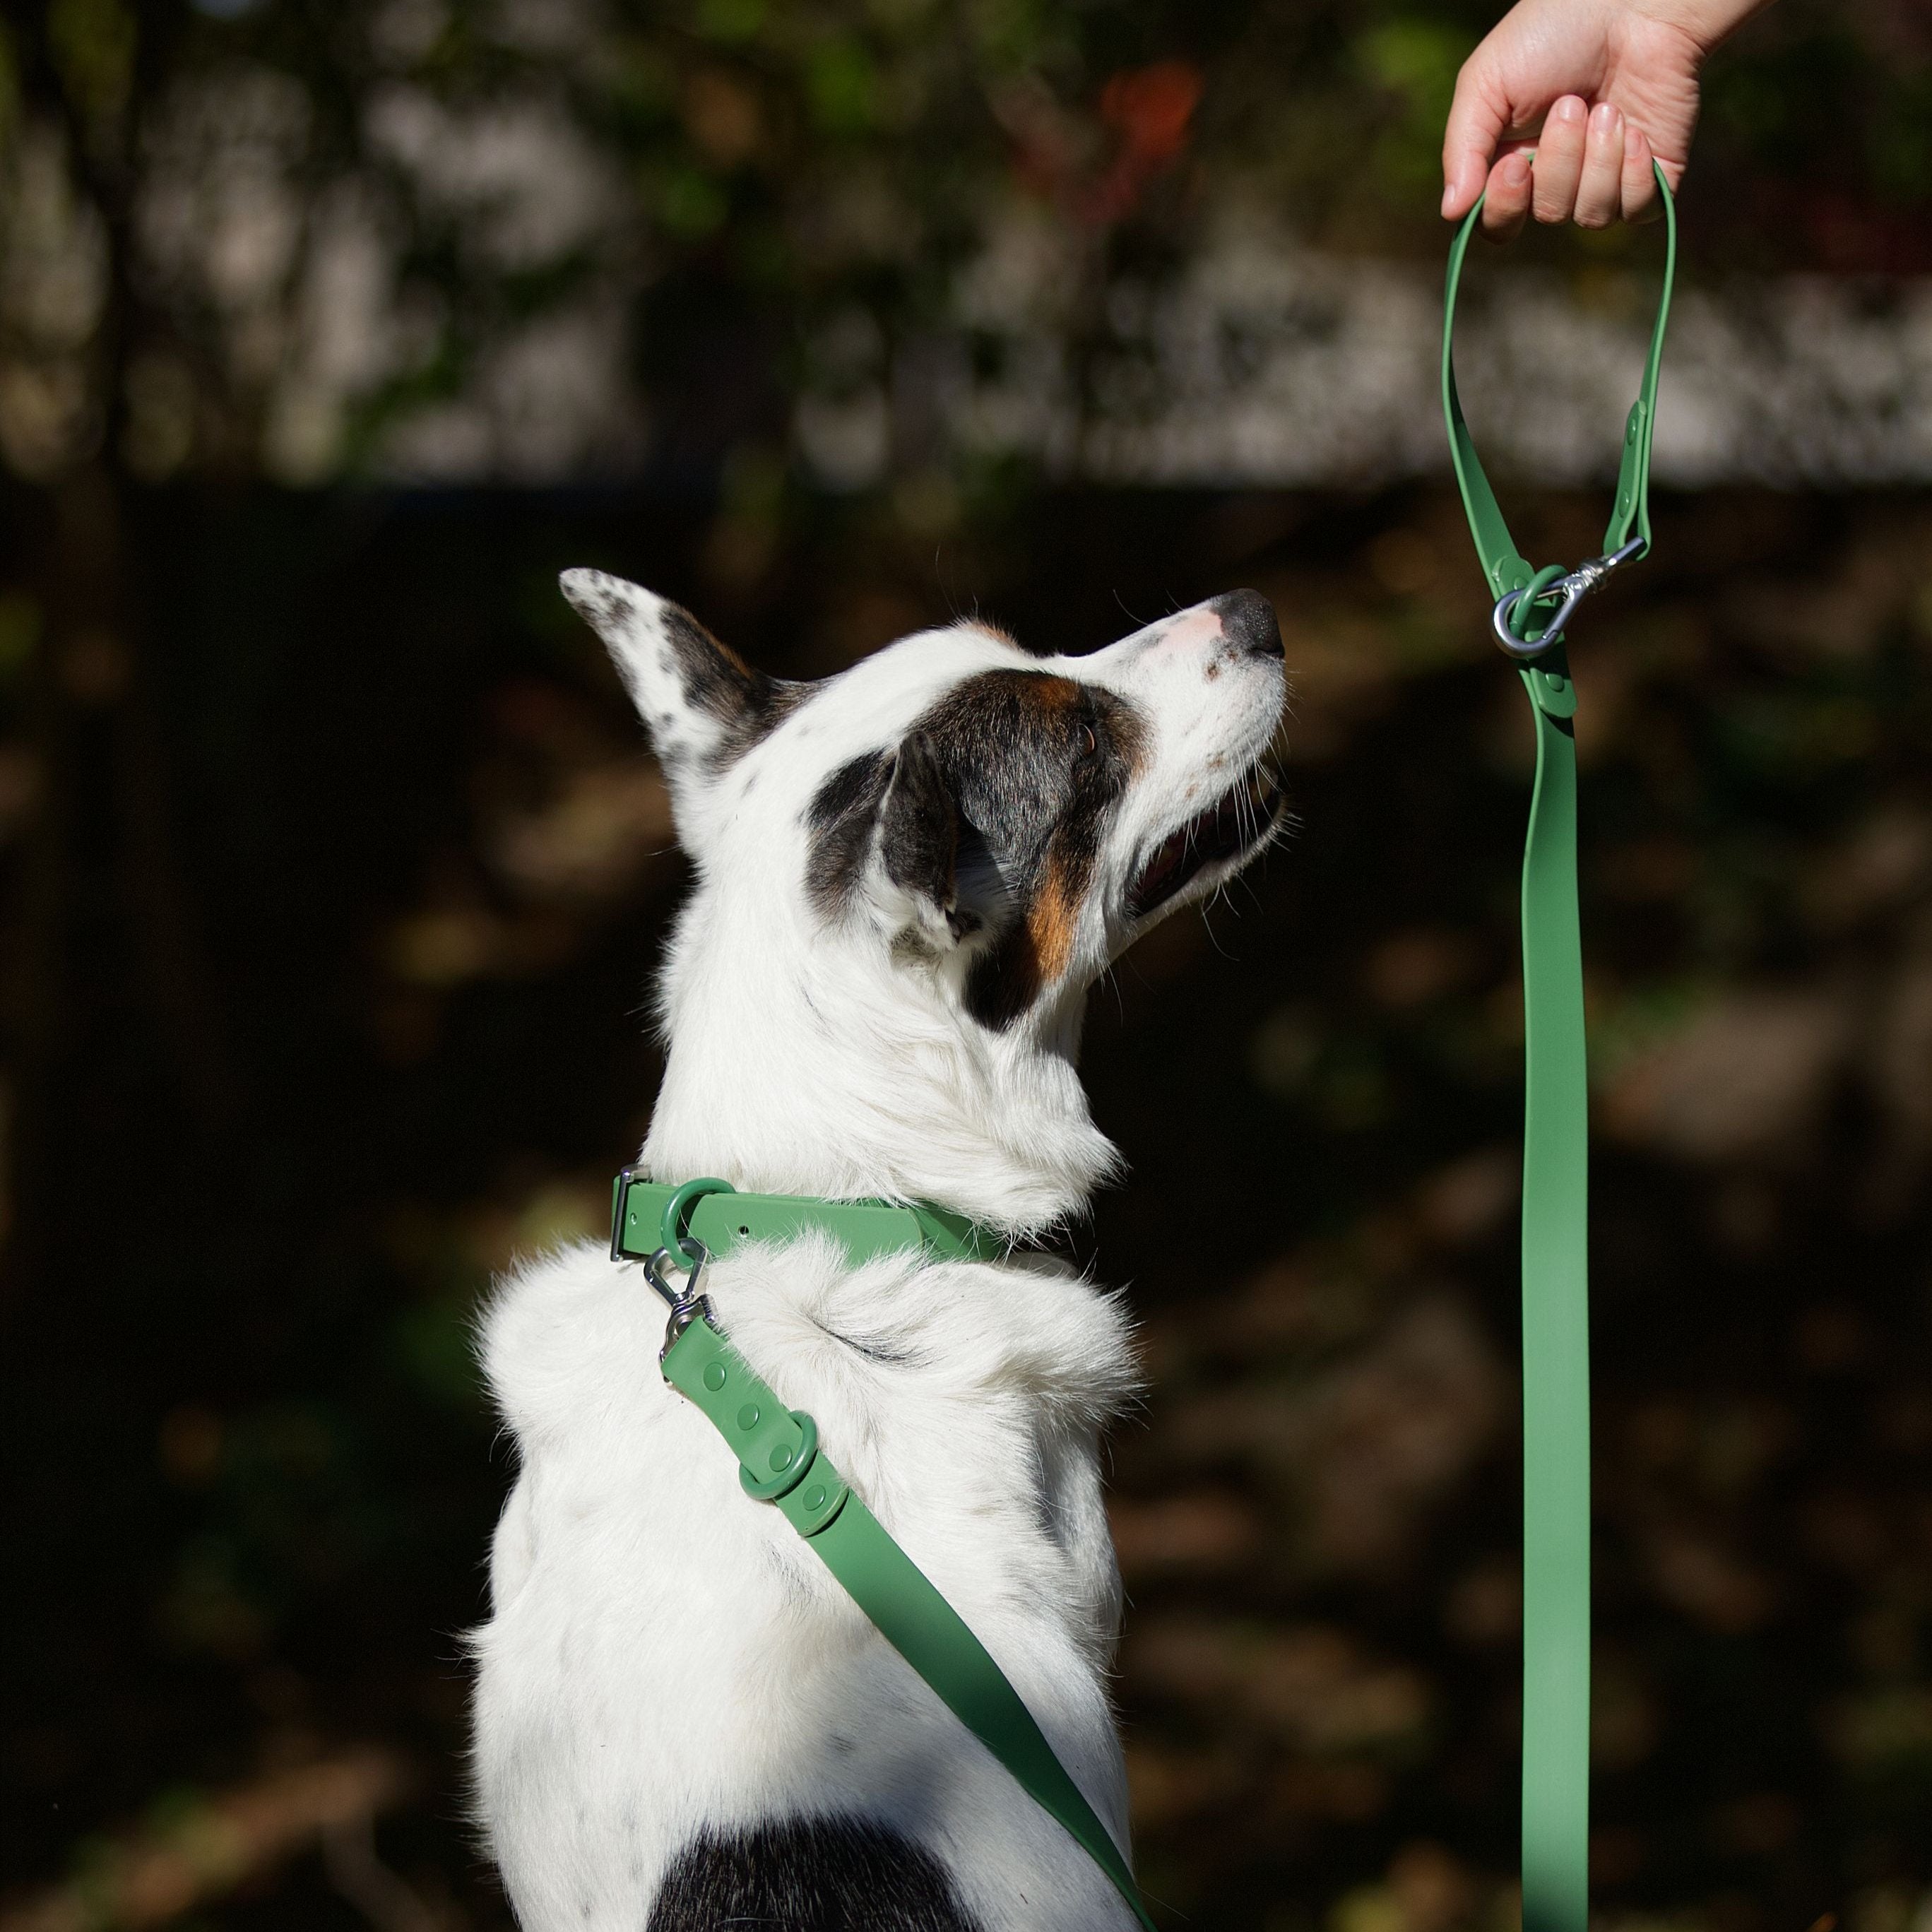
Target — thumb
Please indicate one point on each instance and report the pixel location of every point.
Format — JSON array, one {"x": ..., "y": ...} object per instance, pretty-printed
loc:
[{"x": 1478, "y": 118}]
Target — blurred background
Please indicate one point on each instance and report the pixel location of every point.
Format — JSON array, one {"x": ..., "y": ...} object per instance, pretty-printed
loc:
[{"x": 333, "y": 871}]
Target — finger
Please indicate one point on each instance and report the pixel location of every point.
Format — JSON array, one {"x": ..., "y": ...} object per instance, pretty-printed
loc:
[
  {"x": 1559, "y": 159},
  {"x": 1640, "y": 199},
  {"x": 1507, "y": 204},
  {"x": 1600, "y": 187},
  {"x": 1478, "y": 117}
]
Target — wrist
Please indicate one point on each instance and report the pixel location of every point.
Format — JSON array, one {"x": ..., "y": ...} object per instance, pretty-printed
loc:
[{"x": 1704, "y": 22}]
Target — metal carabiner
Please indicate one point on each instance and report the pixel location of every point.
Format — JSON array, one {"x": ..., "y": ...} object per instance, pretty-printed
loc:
[
  {"x": 686, "y": 1304},
  {"x": 1571, "y": 590},
  {"x": 654, "y": 1273}
]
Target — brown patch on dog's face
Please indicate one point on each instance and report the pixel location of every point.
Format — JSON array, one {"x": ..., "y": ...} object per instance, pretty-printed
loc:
[
  {"x": 1035, "y": 764},
  {"x": 1038, "y": 763},
  {"x": 1052, "y": 919},
  {"x": 1030, "y": 956}
]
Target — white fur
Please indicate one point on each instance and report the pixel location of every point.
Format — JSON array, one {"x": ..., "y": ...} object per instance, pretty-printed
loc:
[{"x": 664, "y": 1656}]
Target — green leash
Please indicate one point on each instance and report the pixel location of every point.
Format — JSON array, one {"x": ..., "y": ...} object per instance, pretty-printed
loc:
[
  {"x": 779, "y": 1458},
  {"x": 780, "y": 1461},
  {"x": 1532, "y": 606}
]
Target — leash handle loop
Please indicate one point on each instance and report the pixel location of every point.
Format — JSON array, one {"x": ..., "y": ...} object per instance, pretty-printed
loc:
[
  {"x": 1629, "y": 514},
  {"x": 1626, "y": 537},
  {"x": 1532, "y": 608}
]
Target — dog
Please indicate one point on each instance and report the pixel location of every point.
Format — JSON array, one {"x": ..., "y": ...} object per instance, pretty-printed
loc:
[{"x": 908, "y": 876}]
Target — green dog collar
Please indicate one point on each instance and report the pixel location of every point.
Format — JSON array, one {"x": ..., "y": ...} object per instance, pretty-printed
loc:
[{"x": 647, "y": 1215}]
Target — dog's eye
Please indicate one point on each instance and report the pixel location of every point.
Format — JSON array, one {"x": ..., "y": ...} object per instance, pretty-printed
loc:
[{"x": 1086, "y": 745}]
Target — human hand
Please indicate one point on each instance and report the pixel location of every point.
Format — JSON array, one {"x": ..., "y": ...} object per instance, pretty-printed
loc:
[{"x": 1561, "y": 109}]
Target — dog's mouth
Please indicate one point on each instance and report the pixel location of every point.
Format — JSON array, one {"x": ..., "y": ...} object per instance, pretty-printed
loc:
[{"x": 1239, "y": 819}]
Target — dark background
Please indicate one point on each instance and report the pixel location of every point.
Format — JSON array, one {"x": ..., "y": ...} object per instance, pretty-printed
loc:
[{"x": 334, "y": 875}]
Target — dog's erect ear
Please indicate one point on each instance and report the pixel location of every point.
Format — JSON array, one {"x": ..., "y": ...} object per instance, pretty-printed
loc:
[
  {"x": 919, "y": 842},
  {"x": 701, "y": 703}
]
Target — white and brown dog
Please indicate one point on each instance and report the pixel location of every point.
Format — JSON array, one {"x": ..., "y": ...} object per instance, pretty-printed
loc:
[{"x": 907, "y": 878}]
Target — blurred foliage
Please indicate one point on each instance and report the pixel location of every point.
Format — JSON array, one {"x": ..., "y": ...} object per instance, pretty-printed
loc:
[
  {"x": 773, "y": 196},
  {"x": 330, "y": 878},
  {"x": 422, "y": 869}
]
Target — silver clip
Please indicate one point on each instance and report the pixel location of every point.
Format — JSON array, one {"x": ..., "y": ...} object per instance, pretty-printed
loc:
[
  {"x": 654, "y": 1273},
  {"x": 1572, "y": 589},
  {"x": 687, "y": 1304}
]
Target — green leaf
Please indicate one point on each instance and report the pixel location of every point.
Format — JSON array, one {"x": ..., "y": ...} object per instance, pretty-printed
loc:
[
  {"x": 691, "y": 204},
  {"x": 20, "y": 633},
  {"x": 729, "y": 20},
  {"x": 841, "y": 84}
]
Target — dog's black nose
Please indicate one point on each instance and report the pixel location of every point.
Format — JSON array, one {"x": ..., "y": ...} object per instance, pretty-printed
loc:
[{"x": 1248, "y": 620}]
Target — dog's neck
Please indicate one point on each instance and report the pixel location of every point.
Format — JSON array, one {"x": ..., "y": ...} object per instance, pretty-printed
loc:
[{"x": 830, "y": 1068}]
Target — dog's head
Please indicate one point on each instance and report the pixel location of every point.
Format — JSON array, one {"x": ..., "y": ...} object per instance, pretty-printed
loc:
[{"x": 954, "y": 836}]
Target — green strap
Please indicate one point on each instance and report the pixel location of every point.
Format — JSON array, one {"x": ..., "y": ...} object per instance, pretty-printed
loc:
[
  {"x": 1555, "y": 1352},
  {"x": 644, "y": 1214},
  {"x": 1502, "y": 564},
  {"x": 1555, "y": 1285},
  {"x": 780, "y": 1462}
]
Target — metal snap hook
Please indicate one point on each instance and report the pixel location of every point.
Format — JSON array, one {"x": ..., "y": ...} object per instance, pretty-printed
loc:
[
  {"x": 687, "y": 1304},
  {"x": 654, "y": 1272},
  {"x": 1570, "y": 589}
]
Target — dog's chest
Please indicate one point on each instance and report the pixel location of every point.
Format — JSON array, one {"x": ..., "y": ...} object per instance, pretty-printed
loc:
[{"x": 666, "y": 1658}]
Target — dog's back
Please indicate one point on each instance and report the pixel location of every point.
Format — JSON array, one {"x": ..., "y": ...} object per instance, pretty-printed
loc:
[{"x": 683, "y": 1719}]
